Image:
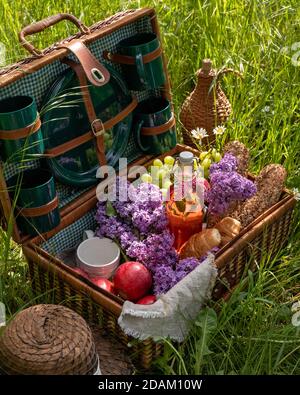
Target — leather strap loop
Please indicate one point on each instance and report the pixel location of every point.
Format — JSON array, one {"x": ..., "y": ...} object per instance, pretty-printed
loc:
[
  {"x": 69, "y": 145},
  {"x": 95, "y": 72},
  {"x": 155, "y": 130},
  {"x": 38, "y": 211},
  {"x": 130, "y": 60},
  {"x": 17, "y": 134}
]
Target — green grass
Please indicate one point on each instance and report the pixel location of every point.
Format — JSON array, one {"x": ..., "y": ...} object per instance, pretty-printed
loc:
[{"x": 252, "y": 332}]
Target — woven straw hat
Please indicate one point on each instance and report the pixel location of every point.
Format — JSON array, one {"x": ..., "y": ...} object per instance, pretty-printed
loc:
[{"x": 48, "y": 339}]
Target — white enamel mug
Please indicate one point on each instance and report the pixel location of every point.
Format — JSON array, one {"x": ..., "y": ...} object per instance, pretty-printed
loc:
[{"x": 98, "y": 256}]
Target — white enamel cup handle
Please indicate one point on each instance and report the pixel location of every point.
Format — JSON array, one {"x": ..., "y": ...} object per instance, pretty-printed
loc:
[{"x": 87, "y": 234}]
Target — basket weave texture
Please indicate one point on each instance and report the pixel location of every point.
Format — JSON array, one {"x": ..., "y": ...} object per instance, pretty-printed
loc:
[
  {"x": 48, "y": 340},
  {"x": 265, "y": 236},
  {"x": 207, "y": 106}
]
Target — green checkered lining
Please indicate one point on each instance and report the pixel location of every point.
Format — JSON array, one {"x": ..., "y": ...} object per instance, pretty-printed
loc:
[
  {"x": 38, "y": 83},
  {"x": 70, "y": 236}
]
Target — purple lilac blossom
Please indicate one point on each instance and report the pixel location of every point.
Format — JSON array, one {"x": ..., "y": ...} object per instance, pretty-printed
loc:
[
  {"x": 164, "y": 279},
  {"x": 227, "y": 186},
  {"x": 228, "y": 163},
  {"x": 155, "y": 250}
]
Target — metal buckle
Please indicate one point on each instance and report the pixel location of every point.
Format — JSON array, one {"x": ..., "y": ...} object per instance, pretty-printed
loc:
[{"x": 99, "y": 132}]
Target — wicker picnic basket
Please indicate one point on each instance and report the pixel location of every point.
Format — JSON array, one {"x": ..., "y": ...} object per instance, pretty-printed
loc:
[{"x": 48, "y": 273}]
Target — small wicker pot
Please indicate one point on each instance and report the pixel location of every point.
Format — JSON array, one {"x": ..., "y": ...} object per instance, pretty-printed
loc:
[
  {"x": 207, "y": 106},
  {"x": 48, "y": 340}
]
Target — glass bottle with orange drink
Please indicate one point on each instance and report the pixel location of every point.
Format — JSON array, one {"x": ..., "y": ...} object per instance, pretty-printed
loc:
[{"x": 185, "y": 207}]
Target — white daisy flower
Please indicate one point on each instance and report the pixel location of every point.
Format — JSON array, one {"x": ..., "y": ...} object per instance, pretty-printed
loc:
[
  {"x": 266, "y": 109},
  {"x": 296, "y": 193},
  {"x": 219, "y": 130},
  {"x": 199, "y": 133}
]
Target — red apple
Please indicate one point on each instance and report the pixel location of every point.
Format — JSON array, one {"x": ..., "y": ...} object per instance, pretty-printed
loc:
[
  {"x": 132, "y": 280},
  {"x": 103, "y": 283},
  {"x": 148, "y": 299},
  {"x": 80, "y": 272}
]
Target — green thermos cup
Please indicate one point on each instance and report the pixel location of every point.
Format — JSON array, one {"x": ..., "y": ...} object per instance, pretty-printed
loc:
[
  {"x": 146, "y": 71},
  {"x": 36, "y": 201},
  {"x": 154, "y": 126},
  {"x": 20, "y": 129}
]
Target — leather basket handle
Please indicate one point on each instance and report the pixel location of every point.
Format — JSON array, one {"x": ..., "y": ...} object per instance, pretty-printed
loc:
[{"x": 39, "y": 26}]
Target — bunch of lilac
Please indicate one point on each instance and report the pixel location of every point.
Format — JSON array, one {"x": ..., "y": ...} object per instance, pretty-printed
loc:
[
  {"x": 227, "y": 186},
  {"x": 165, "y": 277},
  {"x": 143, "y": 208},
  {"x": 139, "y": 224},
  {"x": 113, "y": 227}
]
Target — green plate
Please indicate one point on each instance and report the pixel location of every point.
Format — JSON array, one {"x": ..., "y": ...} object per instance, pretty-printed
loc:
[{"x": 64, "y": 117}]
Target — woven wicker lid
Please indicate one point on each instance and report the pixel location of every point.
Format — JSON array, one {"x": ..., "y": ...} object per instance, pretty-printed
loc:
[{"x": 48, "y": 339}]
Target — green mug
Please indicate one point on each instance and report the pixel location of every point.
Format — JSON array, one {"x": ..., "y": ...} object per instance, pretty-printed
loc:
[
  {"x": 154, "y": 128},
  {"x": 141, "y": 60},
  {"x": 20, "y": 129},
  {"x": 36, "y": 200}
]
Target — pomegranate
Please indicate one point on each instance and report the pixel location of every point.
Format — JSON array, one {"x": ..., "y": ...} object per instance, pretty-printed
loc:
[
  {"x": 103, "y": 283},
  {"x": 132, "y": 280},
  {"x": 148, "y": 299}
]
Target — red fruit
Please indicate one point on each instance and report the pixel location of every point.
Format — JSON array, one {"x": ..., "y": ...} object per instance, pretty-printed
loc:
[
  {"x": 132, "y": 280},
  {"x": 80, "y": 272},
  {"x": 206, "y": 184},
  {"x": 148, "y": 299},
  {"x": 103, "y": 283}
]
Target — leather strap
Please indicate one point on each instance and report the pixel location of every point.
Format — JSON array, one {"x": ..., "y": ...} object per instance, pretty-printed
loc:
[
  {"x": 125, "y": 59},
  {"x": 60, "y": 149},
  {"x": 38, "y": 211},
  {"x": 95, "y": 72},
  {"x": 17, "y": 134},
  {"x": 97, "y": 127},
  {"x": 155, "y": 130}
]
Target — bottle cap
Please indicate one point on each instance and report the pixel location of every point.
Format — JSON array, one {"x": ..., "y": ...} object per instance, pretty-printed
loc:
[{"x": 186, "y": 157}]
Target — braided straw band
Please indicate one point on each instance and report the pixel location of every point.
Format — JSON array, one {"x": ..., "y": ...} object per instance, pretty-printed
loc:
[
  {"x": 38, "y": 211},
  {"x": 45, "y": 340},
  {"x": 17, "y": 134}
]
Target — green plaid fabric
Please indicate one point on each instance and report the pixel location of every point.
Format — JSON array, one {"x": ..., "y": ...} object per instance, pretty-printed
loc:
[
  {"x": 37, "y": 85},
  {"x": 70, "y": 236}
]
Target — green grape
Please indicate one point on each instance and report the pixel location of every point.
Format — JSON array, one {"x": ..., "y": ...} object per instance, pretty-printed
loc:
[
  {"x": 195, "y": 164},
  {"x": 146, "y": 178},
  {"x": 201, "y": 170},
  {"x": 218, "y": 157},
  {"x": 164, "y": 192},
  {"x": 169, "y": 160},
  {"x": 166, "y": 184},
  {"x": 157, "y": 163},
  {"x": 206, "y": 163},
  {"x": 206, "y": 173},
  {"x": 203, "y": 155},
  {"x": 161, "y": 175},
  {"x": 167, "y": 168},
  {"x": 213, "y": 153},
  {"x": 153, "y": 170}
]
